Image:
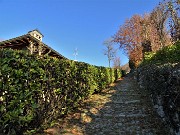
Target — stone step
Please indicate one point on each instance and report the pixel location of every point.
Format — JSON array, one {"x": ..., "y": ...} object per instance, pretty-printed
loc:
[
  {"x": 126, "y": 115},
  {"x": 122, "y": 108},
  {"x": 126, "y": 94},
  {"x": 126, "y": 102},
  {"x": 127, "y": 91}
]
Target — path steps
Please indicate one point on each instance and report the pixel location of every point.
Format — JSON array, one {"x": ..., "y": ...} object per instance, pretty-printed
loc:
[
  {"x": 128, "y": 112},
  {"x": 124, "y": 110}
]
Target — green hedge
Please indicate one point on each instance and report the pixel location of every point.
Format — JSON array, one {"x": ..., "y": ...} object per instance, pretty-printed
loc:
[
  {"x": 36, "y": 91},
  {"x": 169, "y": 54}
]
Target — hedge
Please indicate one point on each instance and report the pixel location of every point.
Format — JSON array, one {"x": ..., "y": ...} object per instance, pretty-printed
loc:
[{"x": 35, "y": 91}]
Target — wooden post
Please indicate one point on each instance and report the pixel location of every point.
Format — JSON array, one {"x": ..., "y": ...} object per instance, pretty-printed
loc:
[
  {"x": 31, "y": 47},
  {"x": 40, "y": 49}
]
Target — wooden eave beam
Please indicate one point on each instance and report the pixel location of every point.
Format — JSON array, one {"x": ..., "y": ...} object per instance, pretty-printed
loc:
[
  {"x": 22, "y": 40},
  {"x": 10, "y": 45},
  {"x": 5, "y": 42},
  {"x": 54, "y": 54}
]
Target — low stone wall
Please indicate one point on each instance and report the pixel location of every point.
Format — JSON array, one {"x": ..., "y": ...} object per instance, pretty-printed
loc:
[{"x": 163, "y": 84}]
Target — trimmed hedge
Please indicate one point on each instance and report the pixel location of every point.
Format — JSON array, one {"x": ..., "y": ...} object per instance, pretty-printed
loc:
[{"x": 36, "y": 91}]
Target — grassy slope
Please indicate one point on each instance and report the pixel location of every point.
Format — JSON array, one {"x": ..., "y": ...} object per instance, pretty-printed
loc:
[{"x": 169, "y": 54}]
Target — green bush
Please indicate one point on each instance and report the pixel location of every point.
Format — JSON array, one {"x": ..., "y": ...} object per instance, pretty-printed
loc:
[
  {"x": 169, "y": 54},
  {"x": 34, "y": 91},
  {"x": 123, "y": 72},
  {"x": 132, "y": 65},
  {"x": 117, "y": 74}
]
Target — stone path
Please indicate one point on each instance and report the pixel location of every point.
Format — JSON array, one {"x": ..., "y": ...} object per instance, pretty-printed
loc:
[{"x": 123, "y": 109}]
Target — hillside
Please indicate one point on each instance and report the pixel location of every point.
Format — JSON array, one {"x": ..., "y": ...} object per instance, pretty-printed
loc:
[{"x": 126, "y": 67}]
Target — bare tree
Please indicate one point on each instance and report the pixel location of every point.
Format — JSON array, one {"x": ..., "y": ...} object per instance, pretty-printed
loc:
[
  {"x": 159, "y": 17},
  {"x": 116, "y": 63},
  {"x": 173, "y": 7},
  {"x": 109, "y": 51}
]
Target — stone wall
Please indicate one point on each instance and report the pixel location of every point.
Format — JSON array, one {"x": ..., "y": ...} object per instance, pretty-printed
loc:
[{"x": 163, "y": 84}]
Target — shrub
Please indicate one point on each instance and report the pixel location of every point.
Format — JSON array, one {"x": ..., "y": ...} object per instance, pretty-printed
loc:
[{"x": 168, "y": 54}]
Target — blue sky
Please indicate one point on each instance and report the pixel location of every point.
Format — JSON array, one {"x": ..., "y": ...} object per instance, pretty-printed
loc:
[{"x": 70, "y": 24}]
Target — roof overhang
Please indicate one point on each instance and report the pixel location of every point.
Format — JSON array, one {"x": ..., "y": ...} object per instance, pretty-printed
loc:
[{"x": 24, "y": 40}]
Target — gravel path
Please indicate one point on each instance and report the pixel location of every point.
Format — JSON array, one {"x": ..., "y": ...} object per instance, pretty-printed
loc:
[{"x": 123, "y": 109}]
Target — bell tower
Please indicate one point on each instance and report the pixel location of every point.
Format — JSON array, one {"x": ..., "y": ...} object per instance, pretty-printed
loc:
[{"x": 37, "y": 34}]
